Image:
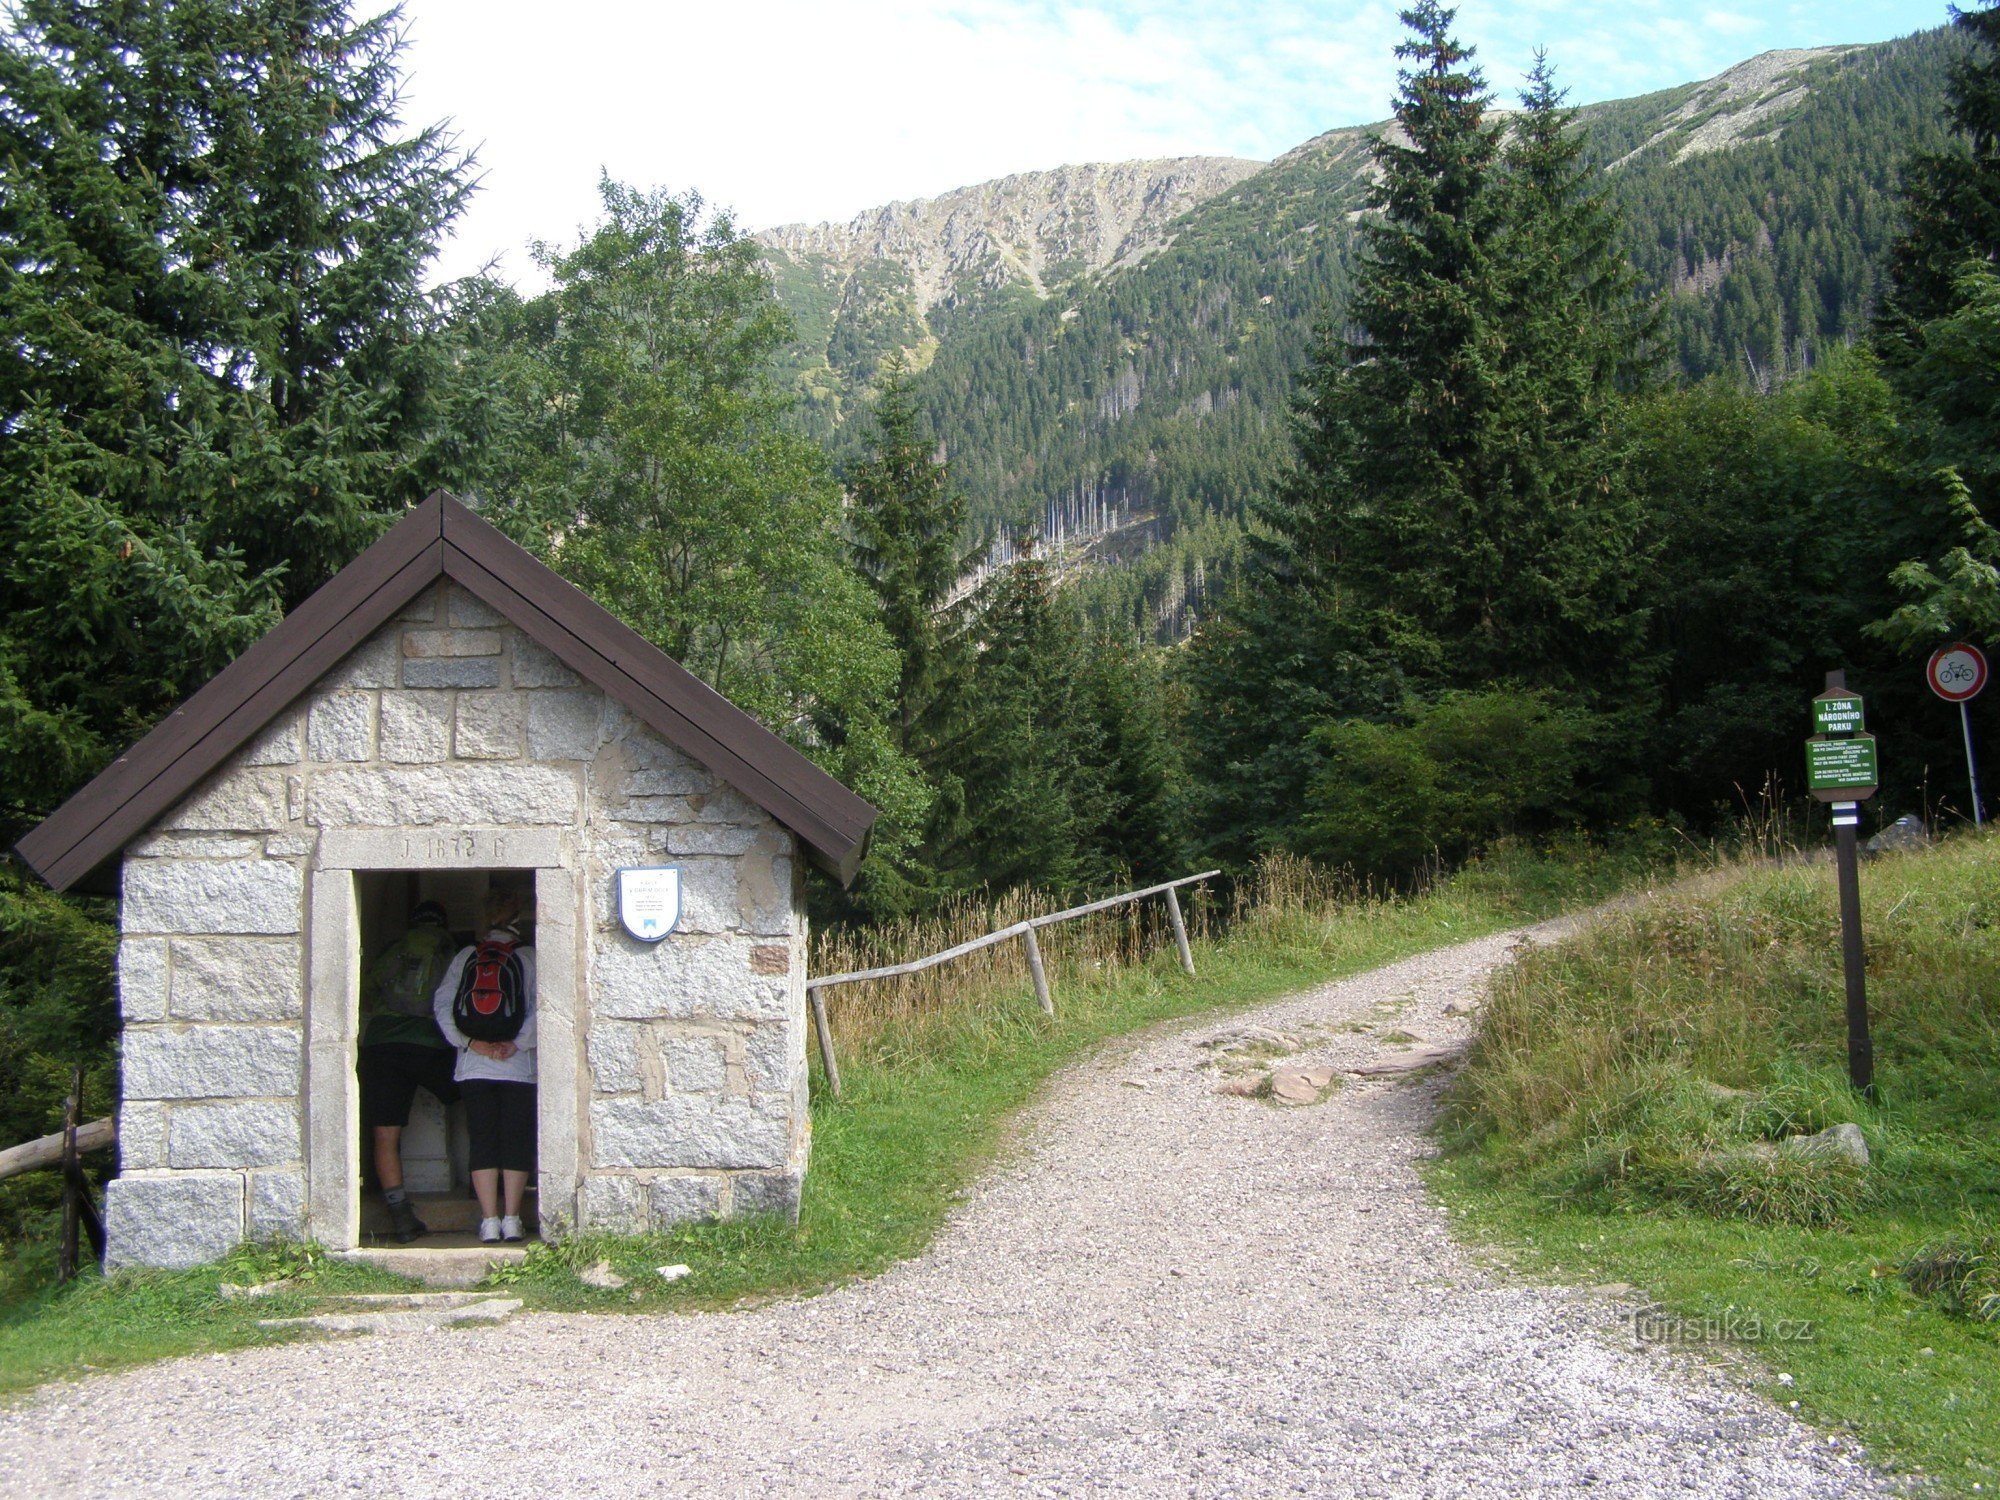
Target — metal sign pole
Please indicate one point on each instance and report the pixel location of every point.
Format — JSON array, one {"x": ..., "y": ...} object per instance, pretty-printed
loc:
[
  {"x": 1971, "y": 764},
  {"x": 1957, "y": 673}
]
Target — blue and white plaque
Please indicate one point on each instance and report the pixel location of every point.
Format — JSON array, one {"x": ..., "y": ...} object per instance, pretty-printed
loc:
[{"x": 649, "y": 901}]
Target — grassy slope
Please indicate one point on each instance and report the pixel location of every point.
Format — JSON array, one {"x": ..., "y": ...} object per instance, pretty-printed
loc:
[
  {"x": 928, "y": 1105},
  {"x": 1588, "y": 1135}
]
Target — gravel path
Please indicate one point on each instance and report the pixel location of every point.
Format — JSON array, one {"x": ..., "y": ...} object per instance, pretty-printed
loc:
[{"x": 1170, "y": 1292}]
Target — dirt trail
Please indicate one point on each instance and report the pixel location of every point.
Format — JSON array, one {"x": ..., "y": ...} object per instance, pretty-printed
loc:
[{"x": 1171, "y": 1291}]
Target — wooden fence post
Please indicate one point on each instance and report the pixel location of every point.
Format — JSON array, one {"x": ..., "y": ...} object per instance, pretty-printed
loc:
[
  {"x": 1035, "y": 968},
  {"x": 825, "y": 1035},
  {"x": 72, "y": 1216},
  {"x": 1180, "y": 930}
]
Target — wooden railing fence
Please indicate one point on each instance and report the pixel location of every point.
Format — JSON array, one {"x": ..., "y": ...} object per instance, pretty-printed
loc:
[
  {"x": 63, "y": 1150},
  {"x": 1025, "y": 931}
]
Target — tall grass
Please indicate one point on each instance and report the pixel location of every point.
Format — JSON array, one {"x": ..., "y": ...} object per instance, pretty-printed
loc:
[
  {"x": 1652, "y": 1059},
  {"x": 881, "y": 1013},
  {"x": 1617, "y": 1122},
  {"x": 1286, "y": 906}
]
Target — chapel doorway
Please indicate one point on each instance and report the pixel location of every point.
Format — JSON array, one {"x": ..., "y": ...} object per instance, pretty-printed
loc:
[{"x": 435, "y": 1150}]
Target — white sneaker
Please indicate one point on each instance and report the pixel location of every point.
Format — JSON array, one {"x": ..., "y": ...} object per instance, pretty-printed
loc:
[
  {"x": 489, "y": 1231},
  {"x": 510, "y": 1229}
]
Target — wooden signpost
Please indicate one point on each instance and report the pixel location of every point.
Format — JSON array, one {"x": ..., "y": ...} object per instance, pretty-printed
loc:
[{"x": 1841, "y": 769}]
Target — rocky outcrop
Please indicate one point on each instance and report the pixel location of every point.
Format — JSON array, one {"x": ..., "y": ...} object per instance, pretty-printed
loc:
[
  {"x": 1033, "y": 228},
  {"x": 1749, "y": 102}
]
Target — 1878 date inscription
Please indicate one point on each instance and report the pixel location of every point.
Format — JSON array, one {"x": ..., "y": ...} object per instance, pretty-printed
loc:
[
  {"x": 441, "y": 849},
  {"x": 453, "y": 848}
]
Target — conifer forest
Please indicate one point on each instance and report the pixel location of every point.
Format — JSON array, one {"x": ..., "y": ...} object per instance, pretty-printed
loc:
[{"x": 1506, "y": 471}]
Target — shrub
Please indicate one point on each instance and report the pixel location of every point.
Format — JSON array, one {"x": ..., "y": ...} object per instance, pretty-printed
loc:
[
  {"x": 1460, "y": 774},
  {"x": 1964, "y": 1275}
]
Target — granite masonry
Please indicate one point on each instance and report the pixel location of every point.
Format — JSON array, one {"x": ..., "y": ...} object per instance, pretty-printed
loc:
[{"x": 672, "y": 1074}]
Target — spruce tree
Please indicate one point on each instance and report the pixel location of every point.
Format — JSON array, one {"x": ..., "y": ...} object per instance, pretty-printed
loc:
[
  {"x": 219, "y": 373},
  {"x": 1939, "y": 338},
  {"x": 1027, "y": 760},
  {"x": 1937, "y": 329},
  {"x": 1131, "y": 762},
  {"x": 1352, "y": 577},
  {"x": 1565, "y": 524},
  {"x": 1467, "y": 443},
  {"x": 908, "y": 524},
  {"x": 905, "y": 524},
  {"x": 1573, "y": 291},
  {"x": 1395, "y": 460},
  {"x": 218, "y": 377},
  {"x": 1455, "y": 513}
]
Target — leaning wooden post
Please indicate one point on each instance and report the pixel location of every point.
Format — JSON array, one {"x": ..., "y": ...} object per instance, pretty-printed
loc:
[
  {"x": 72, "y": 1216},
  {"x": 825, "y": 1034},
  {"x": 1035, "y": 968},
  {"x": 1180, "y": 930}
]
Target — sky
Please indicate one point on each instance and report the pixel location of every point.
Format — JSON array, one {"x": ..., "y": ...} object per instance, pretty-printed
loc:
[{"x": 787, "y": 111}]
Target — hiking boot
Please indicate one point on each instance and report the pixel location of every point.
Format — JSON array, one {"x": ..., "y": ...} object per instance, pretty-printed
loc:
[
  {"x": 511, "y": 1231},
  {"x": 404, "y": 1225},
  {"x": 489, "y": 1231}
]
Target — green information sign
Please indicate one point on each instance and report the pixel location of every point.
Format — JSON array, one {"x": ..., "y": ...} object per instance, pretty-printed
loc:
[
  {"x": 1837, "y": 714},
  {"x": 1841, "y": 765}
]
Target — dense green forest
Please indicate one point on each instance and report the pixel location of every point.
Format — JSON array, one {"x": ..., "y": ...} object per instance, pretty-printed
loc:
[{"x": 1503, "y": 492}]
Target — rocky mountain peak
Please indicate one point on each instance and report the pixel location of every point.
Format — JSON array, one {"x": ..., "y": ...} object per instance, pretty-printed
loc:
[{"x": 1032, "y": 227}]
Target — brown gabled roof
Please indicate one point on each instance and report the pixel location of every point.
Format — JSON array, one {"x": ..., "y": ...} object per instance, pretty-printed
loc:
[{"x": 80, "y": 843}]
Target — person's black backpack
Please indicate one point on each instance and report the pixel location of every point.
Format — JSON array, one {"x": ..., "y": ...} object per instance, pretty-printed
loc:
[{"x": 490, "y": 1005}]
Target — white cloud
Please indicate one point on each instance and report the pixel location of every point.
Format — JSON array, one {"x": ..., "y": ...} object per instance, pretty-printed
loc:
[{"x": 802, "y": 110}]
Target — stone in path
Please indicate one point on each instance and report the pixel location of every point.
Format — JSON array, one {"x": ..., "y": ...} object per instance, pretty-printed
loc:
[
  {"x": 1409, "y": 1060},
  {"x": 1167, "y": 1292},
  {"x": 394, "y": 1312},
  {"x": 1300, "y": 1085}
]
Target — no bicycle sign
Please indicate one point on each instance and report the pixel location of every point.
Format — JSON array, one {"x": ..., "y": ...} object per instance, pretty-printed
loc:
[{"x": 1957, "y": 673}]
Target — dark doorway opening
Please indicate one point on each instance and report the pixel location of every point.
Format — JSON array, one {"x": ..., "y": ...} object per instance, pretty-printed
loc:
[{"x": 435, "y": 1150}]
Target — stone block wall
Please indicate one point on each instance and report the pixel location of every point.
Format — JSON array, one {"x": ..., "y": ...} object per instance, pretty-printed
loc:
[{"x": 688, "y": 1076}]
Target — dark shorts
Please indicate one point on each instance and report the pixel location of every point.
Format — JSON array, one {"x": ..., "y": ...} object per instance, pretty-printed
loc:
[
  {"x": 392, "y": 1073},
  {"x": 500, "y": 1120}
]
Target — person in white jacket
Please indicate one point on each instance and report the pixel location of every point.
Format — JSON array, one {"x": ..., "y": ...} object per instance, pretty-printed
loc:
[{"x": 497, "y": 1081}]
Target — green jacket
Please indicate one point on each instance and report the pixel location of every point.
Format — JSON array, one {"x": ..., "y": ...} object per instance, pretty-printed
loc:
[{"x": 396, "y": 1000}]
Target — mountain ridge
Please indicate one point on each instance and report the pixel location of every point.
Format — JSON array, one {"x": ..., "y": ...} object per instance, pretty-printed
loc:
[
  {"x": 896, "y": 276},
  {"x": 1101, "y": 214},
  {"x": 1756, "y": 205},
  {"x": 1087, "y": 218}
]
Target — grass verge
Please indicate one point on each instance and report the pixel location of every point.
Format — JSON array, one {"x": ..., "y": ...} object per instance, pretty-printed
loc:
[
  {"x": 1622, "y": 1117},
  {"x": 933, "y": 1081}
]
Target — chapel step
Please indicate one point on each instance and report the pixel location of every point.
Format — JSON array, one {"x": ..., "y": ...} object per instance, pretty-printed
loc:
[
  {"x": 455, "y": 1266},
  {"x": 443, "y": 1213},
  {"x": 404, "y": 1314}
]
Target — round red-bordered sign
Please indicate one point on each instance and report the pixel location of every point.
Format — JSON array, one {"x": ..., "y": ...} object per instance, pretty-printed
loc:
[{"x": 1957, "y": 672}]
